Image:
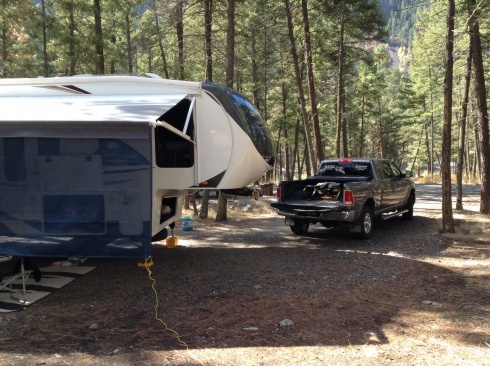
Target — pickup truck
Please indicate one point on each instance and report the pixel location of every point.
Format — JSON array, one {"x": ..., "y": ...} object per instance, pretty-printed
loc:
[{"x": 347, "y": 193}]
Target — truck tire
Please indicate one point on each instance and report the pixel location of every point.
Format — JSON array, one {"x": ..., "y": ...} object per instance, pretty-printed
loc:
[
  {"x": 366, "y": 222},
  {"x": 409, "y": 206},
  {"x": 300, "y": 227}
]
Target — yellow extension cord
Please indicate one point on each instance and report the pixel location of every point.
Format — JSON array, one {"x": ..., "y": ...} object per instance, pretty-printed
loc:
[{"x": 148, "y": 263}]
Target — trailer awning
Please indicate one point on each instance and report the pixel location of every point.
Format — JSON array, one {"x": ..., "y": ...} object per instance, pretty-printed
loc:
[{"x": 84, "y": 116}]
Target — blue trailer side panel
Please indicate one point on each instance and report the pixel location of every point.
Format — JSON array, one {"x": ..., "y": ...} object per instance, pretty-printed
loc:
[{"x": 75, "y": 197}]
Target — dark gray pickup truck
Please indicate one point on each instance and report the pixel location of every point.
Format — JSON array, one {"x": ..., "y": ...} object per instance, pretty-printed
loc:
[{"x": 349, "y": 193}]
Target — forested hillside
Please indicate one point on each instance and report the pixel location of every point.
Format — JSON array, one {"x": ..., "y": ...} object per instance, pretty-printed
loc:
[
  {"x": 401, "y": 17},
  {"x": 319, "y": 70}
]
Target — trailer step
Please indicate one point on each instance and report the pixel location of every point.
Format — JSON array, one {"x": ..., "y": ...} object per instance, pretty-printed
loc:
[{"x": 394, "y": 214}]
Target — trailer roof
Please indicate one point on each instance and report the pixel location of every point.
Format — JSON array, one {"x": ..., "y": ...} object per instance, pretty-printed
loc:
[{"x": 95, "y": 85}]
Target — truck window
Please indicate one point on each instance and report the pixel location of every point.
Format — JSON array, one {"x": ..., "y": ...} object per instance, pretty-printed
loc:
[
  {"x": 336, "y": 169},
  {"x": 172, "y": 151},
  {"x": 394, "y": 170}
]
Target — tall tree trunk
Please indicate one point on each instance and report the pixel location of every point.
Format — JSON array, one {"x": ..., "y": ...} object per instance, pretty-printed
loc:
[
  {"x": 221, "y": 214},
  {"x": 99, "y": 39},
  {"x": 112, "y": 66},
  {"x": 311, "y": 85},
  {"x": 447, "y": 205},
  {"x": 299, "y": 83},
  {"x": 418, "y": 149},
  {"x": 467, "y": 159},
  {"x": 194, "y": 205},
  {"x": 381, "y": 132},
  {"x": 203, "y": 213},
  {"x": 296, "y": 143},
  {"x": 431, "y": 126},
  {"x": 255, "y": 71},
  {"x": 427, "y": 147},
  {"x": 160, "y": 42},
  {"x": 179, "y": 24},
  {"x": 281, "y": 161},
  {"x": 265, "y": 68},
  {"x": 150, "y": 55},
  {"x": 71, "y": 45},
  {"x": 481, "y": 95},
  {"x": 44, "y": 26},
  {"x": 278, "y": 151},
  {"x": 230, "y": 44},
  {"x": 341, "y": 129},
  {"x": 309, "y": 168},
  {"x": 462, "y": 133},
  {"x": 361, "y": 138},
  {"x": 208, "y": 23},
  {"x": 477, "y": 159},
  {"x": 129, "y": 51},
  {"x": 4, "y": 72},
  {"x": 301, "y": 164},
  {"x": 286, "y": 143}
]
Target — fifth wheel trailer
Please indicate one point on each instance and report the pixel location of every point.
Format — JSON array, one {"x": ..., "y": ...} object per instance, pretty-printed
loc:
[{"x": 97, "y": 166}]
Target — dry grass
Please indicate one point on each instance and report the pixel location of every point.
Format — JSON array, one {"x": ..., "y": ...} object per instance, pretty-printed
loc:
[
  {"x": 470, "y": 226},
  {"x": 437, "y": 179}
]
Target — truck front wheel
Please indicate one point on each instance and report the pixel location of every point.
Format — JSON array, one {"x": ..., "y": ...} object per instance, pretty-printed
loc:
[
  {"x": 300, "y": 227},
  {"x": 366, "y": 222},
  {"x": 409, "y": 206}
]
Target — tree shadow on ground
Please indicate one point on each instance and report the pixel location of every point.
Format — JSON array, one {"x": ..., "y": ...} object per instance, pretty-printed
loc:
[{"x": 229, "y": 285}]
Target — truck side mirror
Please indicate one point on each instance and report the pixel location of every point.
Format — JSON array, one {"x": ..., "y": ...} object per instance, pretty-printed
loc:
[{"x": 409, "y": 174}]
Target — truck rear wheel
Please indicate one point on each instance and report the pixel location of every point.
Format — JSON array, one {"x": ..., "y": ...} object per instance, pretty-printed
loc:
[
  {"x": 300, "y": 227},
  {"x": 366, "y": 221}
]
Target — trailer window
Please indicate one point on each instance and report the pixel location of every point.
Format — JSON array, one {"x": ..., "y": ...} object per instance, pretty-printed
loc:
[
  {"x": 172, "y": 151},
  {"x": 14, "y": 159},
  {"x": 255, "y": 125}
]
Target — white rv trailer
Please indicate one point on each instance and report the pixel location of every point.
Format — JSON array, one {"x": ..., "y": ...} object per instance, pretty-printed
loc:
[{"x": 97, "y": 166}]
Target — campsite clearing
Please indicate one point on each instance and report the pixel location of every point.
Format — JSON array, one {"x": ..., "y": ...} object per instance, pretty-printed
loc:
[{"x": 249, "y": 292}]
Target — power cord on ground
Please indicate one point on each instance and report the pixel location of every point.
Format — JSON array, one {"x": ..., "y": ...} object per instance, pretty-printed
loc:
[{"x": 147, "y": 264}]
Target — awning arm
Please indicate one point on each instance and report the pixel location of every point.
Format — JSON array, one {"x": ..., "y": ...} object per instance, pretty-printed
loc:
[
  {"x": 171, "y": 129},
  {"x": 191, "y": 108}
]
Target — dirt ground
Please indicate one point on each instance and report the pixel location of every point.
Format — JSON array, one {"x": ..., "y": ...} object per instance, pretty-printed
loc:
[{"x": 250, "y": 292}]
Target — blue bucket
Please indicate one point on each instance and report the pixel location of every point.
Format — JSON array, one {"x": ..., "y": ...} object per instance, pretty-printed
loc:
[{"x": 187, "y": 224}]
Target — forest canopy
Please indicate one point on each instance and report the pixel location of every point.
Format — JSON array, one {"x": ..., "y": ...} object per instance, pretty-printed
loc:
[{"x": 331, "y": 77}]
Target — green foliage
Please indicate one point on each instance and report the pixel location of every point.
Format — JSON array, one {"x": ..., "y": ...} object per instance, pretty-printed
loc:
[
  {"x": 401, "y": 17},
  {"x": 403, "y": 105}
]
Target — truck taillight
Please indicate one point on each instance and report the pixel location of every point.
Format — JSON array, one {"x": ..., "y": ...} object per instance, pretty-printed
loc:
[
  {"x": 278, "y": 194},
  {"x": 348, "y": 198}
]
